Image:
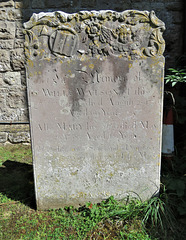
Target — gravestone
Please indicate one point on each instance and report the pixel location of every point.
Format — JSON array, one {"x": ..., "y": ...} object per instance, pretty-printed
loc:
[{"x": 95, "y": 86}]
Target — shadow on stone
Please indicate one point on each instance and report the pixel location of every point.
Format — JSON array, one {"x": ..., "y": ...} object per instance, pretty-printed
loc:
[{"x": 16, "y": 182}]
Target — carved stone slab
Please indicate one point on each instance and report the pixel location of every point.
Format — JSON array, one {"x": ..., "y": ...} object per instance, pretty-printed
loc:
[{"x": 95, "y": 86}]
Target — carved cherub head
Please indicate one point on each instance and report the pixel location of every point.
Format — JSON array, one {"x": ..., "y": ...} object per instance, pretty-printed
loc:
[{"x": 124, "y": 34}]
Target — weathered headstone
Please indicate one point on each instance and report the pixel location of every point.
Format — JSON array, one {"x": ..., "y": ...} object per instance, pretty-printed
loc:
[{"x": 95, "y": 86}]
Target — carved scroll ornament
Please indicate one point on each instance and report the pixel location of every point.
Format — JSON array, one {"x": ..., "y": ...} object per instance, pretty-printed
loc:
[{"x": 130, "y": 34}]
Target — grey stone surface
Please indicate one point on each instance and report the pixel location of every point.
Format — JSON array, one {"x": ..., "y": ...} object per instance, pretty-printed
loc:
[
  {"x": 24, "y": 3},
  {"x": 19, "y": 137},
  {"x": 12, "y": 78},
  {"x": 14, "y": 133},
  {"x": 6, "y": 44},
  {"x": 95, "y": 86},
  {"x": 89, "y": 4},
  {"x": 3, "y": 137},
  {"x": 13, "y": 104},
  {"x": 40, "y": 4},
  {"x": 2, "y": 101},
  {"x": 57, "y": 3},
  {"x": 19, "y": 43},
  {"x": 4, "y": 60},
  {"x": 6, "y": 3},
  {"x": 3, "y": 14},
  {"x": 17, "y": 58},
  {"x": 16, "y": 98},
  {"x": 7, "y": 30},
  {"x": 13, "y": 13},
  {"x": 19, "y": 32}
]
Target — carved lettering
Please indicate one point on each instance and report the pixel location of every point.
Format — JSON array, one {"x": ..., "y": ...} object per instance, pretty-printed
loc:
[
  {"x": 91, "y": 102},
  {"x": 137, "y": 78},
  {"x": 144, "y": 124},
  {"x": 100, "y": 78},
  {"x": 142, "y": 154},
  {"x": 102, "y": 136},
  {"x": 65, "y": 126},
  {"x": 49, "y": 93},
  {"x": 140, "y": 91},
  {"x": 69, "y": 127},
  {"x": 90, "y": 127},
  {"x": 95, "y": 102},
  {"x": 43, "y": 127},
  {"x": 80, "y": 91}
]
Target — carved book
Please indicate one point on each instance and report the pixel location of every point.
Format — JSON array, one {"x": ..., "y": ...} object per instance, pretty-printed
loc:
[{"x": 95, "y": 87}]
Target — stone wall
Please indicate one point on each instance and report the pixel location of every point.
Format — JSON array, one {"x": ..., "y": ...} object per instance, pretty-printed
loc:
[{"x": 13, "y": 103}]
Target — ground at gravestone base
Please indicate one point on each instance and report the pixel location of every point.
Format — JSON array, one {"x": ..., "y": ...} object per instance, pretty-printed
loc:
[{"x": 157, "y": 218}]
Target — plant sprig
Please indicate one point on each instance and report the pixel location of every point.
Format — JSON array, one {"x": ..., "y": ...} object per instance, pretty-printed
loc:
[{"x": 175, "y": 76}]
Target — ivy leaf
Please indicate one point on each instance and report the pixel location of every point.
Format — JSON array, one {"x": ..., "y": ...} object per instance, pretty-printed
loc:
[{"x": 173, "y": 84}]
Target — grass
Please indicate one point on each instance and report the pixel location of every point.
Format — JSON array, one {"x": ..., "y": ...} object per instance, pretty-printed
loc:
[{"x": 110, "y": 219}]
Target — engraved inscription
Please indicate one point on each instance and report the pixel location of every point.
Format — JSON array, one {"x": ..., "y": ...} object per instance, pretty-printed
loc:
[
  {"x": 124, "y": 125},
  {"x": 43, "y": 127},
  {"x": 95, "y": 85}
]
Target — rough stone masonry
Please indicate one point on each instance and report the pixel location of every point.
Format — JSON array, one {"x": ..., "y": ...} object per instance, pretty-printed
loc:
[
  {"x": 13, "y": 100},
  {"x": 95, "y": 87}
]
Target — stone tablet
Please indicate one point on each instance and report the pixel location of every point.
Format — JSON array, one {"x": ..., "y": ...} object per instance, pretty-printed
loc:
[{"x": 95, "y": 87}]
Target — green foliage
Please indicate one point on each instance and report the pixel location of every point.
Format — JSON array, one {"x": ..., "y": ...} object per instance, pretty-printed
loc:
[
  {"x": 159, "y": 214},
  {"x": 178, "y": 76},
  {"x": 132, "y": 235},
  {"x": 16, "y": 177},
  {"x": 111, "y": 219},
  {"x": 175, "y": 76},
  {"x": 174, "y": 176},
  {"x": 175, "y": 180},
  {"x": 14, "y": 152},
  {"x": 4, "y": 198}
]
